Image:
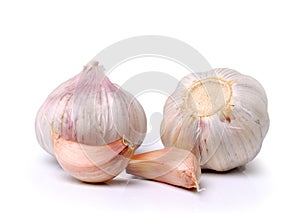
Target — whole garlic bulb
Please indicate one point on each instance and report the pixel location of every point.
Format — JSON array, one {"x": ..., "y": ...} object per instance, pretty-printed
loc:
[
  {"x": 221, "y": 115},
  {"x": 91, "y": 111}
]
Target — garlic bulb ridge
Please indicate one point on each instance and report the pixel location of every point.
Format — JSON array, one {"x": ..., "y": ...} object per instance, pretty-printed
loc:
[
  {"x": 91, "y": 110},
  {"x": 220, "y": 115}
]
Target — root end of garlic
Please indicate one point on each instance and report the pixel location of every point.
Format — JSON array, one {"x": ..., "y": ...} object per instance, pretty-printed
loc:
[{"x": 207, "y": 97}]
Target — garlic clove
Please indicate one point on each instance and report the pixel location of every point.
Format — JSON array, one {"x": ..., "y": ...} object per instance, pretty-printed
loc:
[
  {"x": 221, "y": 115},
  {"x": 169, "y": 165},
  {"x": 91, "y": 163}
]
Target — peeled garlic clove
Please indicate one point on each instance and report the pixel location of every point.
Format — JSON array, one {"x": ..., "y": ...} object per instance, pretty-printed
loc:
[
  {"x": 221, "y": 115},
  {"x": 92, "y": 163},
  {"x": 169, "y": 165},
  {"x": 91, "y": 110}
]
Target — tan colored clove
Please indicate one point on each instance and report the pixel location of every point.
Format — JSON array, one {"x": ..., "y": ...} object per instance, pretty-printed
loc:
[
  {"x": 91, "y": 163},
  {"x": 169, "y": 165}
]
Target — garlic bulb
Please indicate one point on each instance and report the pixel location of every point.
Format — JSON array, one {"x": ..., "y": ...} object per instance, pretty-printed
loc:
[
  {"x": 88, "y": 109},
  {"x": 221, "y": 115}
]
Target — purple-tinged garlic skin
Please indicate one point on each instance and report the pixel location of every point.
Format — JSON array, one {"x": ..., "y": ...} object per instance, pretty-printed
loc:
[
  {"x": 91, "y": 110},
  {"x": 220, "y": 115}
]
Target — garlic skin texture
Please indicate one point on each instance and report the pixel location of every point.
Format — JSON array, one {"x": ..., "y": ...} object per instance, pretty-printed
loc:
[
  {"x": 173, "y": 166},
  {"x": 220, "y": 115},
  {"x": 91, "y": 110},
  {"x": 92, "y": 163},
  {"x": 85, "y": 122}
]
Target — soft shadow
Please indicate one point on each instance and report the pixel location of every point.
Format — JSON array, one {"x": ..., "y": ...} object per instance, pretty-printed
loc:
[
  {"x": 140, "y": 179},
  {"x": 113, "y": 182},
  {"x": 116, "y": 182},
  {"x": 252, "y": 168},
  {"x": 68, "y": 178},
  {"x": 239, "y": 169},
  {"x": 50, "y": 161}
]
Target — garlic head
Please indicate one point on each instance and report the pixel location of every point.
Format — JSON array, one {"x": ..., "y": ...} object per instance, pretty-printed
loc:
[
  {"x": 90, "y": 111},
  {"x": 220, "y": 115}
]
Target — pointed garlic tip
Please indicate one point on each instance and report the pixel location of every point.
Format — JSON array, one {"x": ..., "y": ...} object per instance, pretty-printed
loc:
[
  {"x": 169, "y": 165},
  {"x": 93, "y": 63},
  {"x": 91, "y": 163},
  {"x": 221, "y": 114}
]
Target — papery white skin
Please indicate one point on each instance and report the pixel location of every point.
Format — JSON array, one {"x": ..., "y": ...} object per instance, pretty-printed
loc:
[
  {"x": 229, "y": 138},
  {"x": 91, "y": 110}
]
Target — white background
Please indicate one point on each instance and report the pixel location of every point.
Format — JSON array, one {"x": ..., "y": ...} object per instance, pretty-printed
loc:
[{"x": 43, "y": 43}]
